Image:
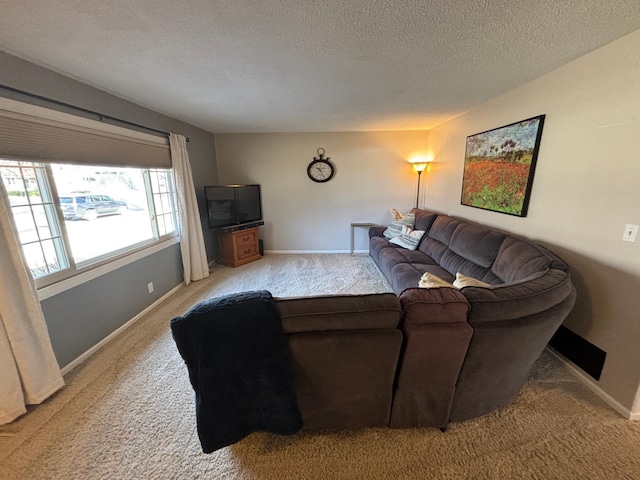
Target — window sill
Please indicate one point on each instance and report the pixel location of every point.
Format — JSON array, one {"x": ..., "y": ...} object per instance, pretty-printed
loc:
[{"x": 90, "y": 274}]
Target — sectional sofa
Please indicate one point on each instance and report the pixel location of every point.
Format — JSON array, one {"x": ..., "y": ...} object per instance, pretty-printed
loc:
[{"x": 419, "y": 357}]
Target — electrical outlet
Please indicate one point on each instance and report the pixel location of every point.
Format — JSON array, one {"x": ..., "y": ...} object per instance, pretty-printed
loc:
[
  {"x": 150, "y": 287},
  {"x": 630, "y": 233}
]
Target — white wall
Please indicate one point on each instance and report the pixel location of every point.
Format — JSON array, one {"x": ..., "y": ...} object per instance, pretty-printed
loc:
[
  {"x": 372, "y": 177},
  {"x": 586, "y": 188}
]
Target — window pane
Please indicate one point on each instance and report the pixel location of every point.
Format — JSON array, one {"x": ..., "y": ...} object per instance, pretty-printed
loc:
[
  {"x": 105, "y": 209},
  {"x": 41, "y": 221},
  {"x": 34, "y": 215},
  {"x": 164, "y": 200},
  {"x": 35, "y": 258},
  {"x": 166, "y": 204},
  {"x": 25, "y": 224},
  {"x": 168, "y": 224},
  {"x": 153, "y": 175},
  {"x": 51, "y": 254}
]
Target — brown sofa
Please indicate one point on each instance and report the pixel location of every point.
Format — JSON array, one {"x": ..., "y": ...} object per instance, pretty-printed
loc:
[
  {"x": 420, "y": 357},
  {"x": 428, "y": 357}
]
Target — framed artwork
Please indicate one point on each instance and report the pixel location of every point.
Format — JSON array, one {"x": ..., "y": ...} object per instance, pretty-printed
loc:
[{"x": 499, "y": 166}]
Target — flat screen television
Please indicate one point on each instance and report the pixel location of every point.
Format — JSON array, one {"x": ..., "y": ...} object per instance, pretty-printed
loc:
[{"x": 233, "y": 205}]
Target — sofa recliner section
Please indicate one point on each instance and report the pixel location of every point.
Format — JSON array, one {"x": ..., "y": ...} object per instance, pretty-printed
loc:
[
  {"x": 344, "y": 356},
  {"x": 436, "y": 341}
]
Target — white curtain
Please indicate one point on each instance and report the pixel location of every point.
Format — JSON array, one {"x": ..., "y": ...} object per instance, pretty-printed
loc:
[
  {"x": 194, "y": 255},
  {"x": 29, "y": 372}
]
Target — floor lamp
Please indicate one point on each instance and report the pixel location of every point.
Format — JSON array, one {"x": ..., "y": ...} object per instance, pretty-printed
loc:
[{"x": 419, "y": 167}]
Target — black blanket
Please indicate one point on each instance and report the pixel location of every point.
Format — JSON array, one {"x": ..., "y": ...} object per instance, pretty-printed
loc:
[{"x": 238, "y": 362}]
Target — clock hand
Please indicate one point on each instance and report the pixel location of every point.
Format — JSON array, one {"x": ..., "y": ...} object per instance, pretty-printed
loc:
[{"x": 321, "y": 171}]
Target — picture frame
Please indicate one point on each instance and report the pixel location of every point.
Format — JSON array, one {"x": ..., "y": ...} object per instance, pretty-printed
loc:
[{"x": 499, "y": 165}]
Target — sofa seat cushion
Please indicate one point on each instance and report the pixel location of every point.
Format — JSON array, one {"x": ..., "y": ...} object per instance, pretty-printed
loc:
[
  {"x": 376, "y": 245},
  {"x": 417, "y": 257},
  {"x": 389, "y": 257},
  {"x": 407, "y": 275}
]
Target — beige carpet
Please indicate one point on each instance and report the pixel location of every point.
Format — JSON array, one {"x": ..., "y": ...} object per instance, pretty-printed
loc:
[{"x": 128, "y": 413}]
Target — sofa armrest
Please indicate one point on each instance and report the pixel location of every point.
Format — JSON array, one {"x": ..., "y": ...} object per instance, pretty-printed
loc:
[
  {"x": 339, "y": 312},
  {"x": 519, "y": 299},
  {"x": 376, "y": 231},
  {"x": 433, "y": 305}
]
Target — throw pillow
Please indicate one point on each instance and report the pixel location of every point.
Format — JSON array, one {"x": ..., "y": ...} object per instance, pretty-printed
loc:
[
  {"x": 429, "y": 280},
  {"x": 397, "y": 221},
  {"x": 464, "y": 281},
  {"x": 408, "y": 238}
]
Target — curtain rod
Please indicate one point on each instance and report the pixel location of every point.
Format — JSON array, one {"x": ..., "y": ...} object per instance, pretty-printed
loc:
[{"x": 101, "y": 116}]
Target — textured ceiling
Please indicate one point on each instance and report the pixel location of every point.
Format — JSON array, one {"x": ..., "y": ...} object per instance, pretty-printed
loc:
[{"x": 310, "y": 65}]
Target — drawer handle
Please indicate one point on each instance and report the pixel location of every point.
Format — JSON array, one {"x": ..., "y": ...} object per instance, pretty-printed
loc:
[
  {"x": 245, "y": 239},
  {"x": 247, "y": 250}
]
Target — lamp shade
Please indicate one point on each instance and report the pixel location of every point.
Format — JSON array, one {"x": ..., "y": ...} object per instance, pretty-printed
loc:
[{"x": 419, "y": 166}]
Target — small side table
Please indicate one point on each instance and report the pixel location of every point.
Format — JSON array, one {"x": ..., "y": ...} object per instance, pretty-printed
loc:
[{"x": 356, "y": 225}]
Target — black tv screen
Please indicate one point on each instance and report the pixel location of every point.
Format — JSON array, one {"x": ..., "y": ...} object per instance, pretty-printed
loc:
[{"x": 229, "y": 205}]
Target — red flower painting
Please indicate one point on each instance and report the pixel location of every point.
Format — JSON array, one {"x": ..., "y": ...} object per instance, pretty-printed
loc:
[{"x": 499, "y": 166}]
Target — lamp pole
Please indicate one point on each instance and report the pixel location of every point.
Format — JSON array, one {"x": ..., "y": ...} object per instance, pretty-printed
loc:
[{"x": 419, "y": 167}]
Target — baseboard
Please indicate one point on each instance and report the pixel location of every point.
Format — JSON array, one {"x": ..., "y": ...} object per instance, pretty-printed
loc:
[
  {"x": 73, "y": 364},
  {"x": 283, "y": 252},
  {"x": 588, "y": 382}
]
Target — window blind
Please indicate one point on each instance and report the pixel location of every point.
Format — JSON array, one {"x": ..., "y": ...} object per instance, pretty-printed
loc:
[{"x": 31, "y": 132}]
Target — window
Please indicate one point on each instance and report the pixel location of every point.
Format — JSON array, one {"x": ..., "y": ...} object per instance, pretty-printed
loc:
[
  {"x": 70, "y": 217},
  {"x": 34, "y": 213}
]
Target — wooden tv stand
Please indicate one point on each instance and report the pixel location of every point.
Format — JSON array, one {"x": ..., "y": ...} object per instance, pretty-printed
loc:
[{"x": 238, "y": 247}]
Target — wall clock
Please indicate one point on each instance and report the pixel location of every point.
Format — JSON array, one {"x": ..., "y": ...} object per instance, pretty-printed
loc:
[{"x": 321, "y": 169}]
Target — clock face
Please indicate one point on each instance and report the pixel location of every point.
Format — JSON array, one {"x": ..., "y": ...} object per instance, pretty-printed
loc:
[{"x": 320, "y": 171}]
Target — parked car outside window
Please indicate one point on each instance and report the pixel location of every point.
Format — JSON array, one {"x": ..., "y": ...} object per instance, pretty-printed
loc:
[{"x": 90, "y": 206}]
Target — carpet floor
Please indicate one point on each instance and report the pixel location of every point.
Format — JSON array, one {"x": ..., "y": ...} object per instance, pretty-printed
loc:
[{"x": 128, "y": 412}]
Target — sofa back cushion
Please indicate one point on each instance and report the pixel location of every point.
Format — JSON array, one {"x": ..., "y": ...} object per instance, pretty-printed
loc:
[
  {"x": 518, "y": 259},
  {"x": 423, "y": 219},
  {"x": 463, "y": 247},
  {"x": 476, "y": 244},
  {"x": 436, "y": 241}
]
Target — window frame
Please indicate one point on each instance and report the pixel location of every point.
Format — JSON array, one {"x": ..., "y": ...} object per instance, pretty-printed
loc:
[{"x": 77, "y": 270}]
